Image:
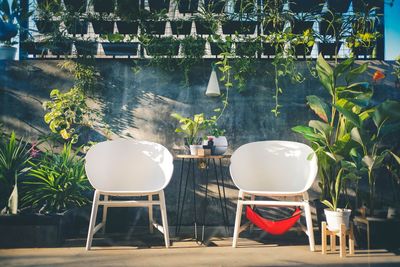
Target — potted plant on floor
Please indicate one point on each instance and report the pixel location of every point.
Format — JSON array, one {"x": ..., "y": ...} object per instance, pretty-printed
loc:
[
  {"x": 330, "y": 135},
  {"x": 191, "y": 130}
]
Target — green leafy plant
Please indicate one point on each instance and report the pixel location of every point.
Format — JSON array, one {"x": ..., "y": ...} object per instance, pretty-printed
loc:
[
  {"x": 14, "y": 157},
  {"x": 193, "y": 50},
  {"x": 66, "y": 112},
  {"x": 84, "y": 72},
  {"x": 190, "y": 128},
  {"x": 396, "y": 71},
  {"x": 57, "y": 182},
  {"x": 330, "y": 136}
]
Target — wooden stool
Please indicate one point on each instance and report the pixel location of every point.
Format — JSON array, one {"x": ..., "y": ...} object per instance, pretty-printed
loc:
[{"x": 342, "y": 233}]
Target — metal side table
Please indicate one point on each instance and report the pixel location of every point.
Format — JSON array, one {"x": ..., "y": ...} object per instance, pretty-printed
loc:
[{"x": 207, "y": 163}]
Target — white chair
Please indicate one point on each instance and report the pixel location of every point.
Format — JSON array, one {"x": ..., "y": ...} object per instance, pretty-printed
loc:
[
  {"x": 273, "y": 169},
  {"x": 126, "y": 167}
]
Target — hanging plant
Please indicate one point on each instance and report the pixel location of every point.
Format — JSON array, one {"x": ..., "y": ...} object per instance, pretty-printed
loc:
[
  {"x": 127, "y": 10},
  {"x": 193, "y": 49},
  {"x": 214, "y": 6},
  {"x": 76, "y": 6},
  {"x": 187, "y": 6},
  {"x": 181, "y": 27}
]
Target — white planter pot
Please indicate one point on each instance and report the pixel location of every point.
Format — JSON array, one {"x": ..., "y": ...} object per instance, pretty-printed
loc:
[
  {"x": 335, "y": 218},
  {"x": 220, "y": 143},
  {"x": 194, "y": 148},
  {"x": 7, "y": 52}
]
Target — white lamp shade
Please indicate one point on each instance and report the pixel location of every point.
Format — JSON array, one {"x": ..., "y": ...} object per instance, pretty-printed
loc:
[{"x": 213, "y": 85}]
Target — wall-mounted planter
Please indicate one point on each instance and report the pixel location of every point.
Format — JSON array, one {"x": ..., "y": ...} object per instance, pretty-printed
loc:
[
  {"x": 273, "y": 4},
  {"x": 159, "y": 5},
  {"x": 329, "y": 27},
  {"x": 247, "y": 49},
  {"x": 86, "y": 48},
  {"x": 77, "y": 27},
  {"x": 103, "y": 6},
  {"x": 76, "y": 5},
  {"x": 329, "y": 49},
  {"x": 302, "y": 50},
  {"x": 203, "y": 27},
  {"x": 188, "y": 6},
  {"x": 216, "y": 48},
  {"x": 363, "y": 52},
  {"x": 61, "y": 48},
  {"x": 50, "y": 5},
  {"x": 127, "y": 27},
  {"x": 128, "y": 9},
  {"x": 338, "y": 6},
  {"x": 214, "y": 6},
  {"x": 103, "y": 27},
  {"x": 300, "y": 26},
  {"x": 47, "y": 26},
  {"x": 34, "y": 48},
  {"x": 241, "y": 27},
  {"x": 268, "y": 49},
  {"x": 244, "y": 6},
  {"x": 302, "y": 6},
  {"x": 163, "y": 47},
  {"x": 120, "y": 49},
  {"x": 181, "y": 27},
  {"x": 154, "y": 27},
  {"x": 270, "y": 28},
  {"x": 363, "y": 5}
]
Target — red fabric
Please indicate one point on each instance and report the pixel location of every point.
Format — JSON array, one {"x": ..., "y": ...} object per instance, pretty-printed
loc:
[{"x": 273, "y": 227}]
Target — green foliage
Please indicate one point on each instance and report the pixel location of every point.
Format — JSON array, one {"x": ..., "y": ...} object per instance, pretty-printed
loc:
[
  {"x": 84, "y": 71},
  {"x": 190, "y": 128},
  {"x": 57, "y": 182},
  {"x": 331, "y": 135},
  {"x": 396, "y": 68},
  {"x": 66, "y": 112},
  {"x": 193, "y": 50},
  {"x": 14, "y": 157}
]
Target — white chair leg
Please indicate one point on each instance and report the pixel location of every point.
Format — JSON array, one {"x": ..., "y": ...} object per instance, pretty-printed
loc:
[
  {"x": 310, "y": 230},
  {"x": 237, "y": 219},
  {"x": 252, "y": 197},
  {"x": 104, "y": 219},
  {"x": 92, "y": 219},
  {"x": 164, "y": 219},
  {"x": 150, "y": 198}
]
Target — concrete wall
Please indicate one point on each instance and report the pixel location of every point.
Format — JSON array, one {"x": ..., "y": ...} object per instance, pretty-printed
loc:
[{"x": 139, "y": 105}]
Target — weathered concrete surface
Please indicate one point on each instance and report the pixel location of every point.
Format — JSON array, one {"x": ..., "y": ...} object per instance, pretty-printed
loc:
[
  {"x": 139, "y": 105},
  {"x": 249, "y": 253}
]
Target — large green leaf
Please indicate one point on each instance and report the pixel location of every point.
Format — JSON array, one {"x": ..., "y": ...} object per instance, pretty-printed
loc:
[
  {"x": 319, "y": 107},
  {"x": 343, "y": 67},
  {"x": 388, "y": 111},
  {"x": 359, "y": 93},
  {"x": 354, "y": 73},
  {"x": 322, "y": 127},
  {"x": 325, "y": 74},
  {"x": 349, "y": 115},
  {"x": 308, "y": 133}
]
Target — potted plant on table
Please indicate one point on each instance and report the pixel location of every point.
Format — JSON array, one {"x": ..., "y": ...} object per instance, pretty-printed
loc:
[{"x": 191, "y": 128}]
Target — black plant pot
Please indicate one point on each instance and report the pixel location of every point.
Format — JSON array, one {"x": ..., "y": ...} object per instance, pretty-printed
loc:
[
  {"x": 273, "y": 4},
  {"x": 363, "y": 5},
  {"x": 329, "y": 49},
  {"x": 301, "y": 6},
  {"x": 203, "y": 27},
  {"x": 76, "y": 5},
  {"x": 247, "y": 49},
  {"x": 241, "y": 27},
  {"x": 170, "y": 49},
  {"x": 214, "y": 6},
  {"x": 159, "y": 5},
  {"x": 181, "y": 27},
  {"x": 34, "y": 48},
  {"x": 300, "y": 26},
  {"x": 103, "y": 6},
  {"x": 268, "y": 49},
  {"x": 188, "y": 6},
  {"x": 61, "y": 48},
  {"x": 244, "y": 6},
  {"x": 128, "y": 9},
  {"x": 103, "y": 27},
  {"x": 216, "y": 48},
  {"x": 127, "y": 27},
  {"x": 120, "y": 49},
  {"x": 34, "y": 230},
  {"x": 270, "y": 28},
  {"x": 46, "y": 26},
  {"x": 154, "y": 27},
  {"x": 338, "y": 6},
  {"x": 86, "y": 48},
  {"x": 77, "y": 27},
  {"x": 302, "y": 50},
  {"x": 363, "y": 51}
]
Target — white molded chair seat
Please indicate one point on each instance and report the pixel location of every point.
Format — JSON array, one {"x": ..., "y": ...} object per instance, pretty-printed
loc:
[
  {"x": 126, "y": 167},
  {"x": 273, "y": 168}
]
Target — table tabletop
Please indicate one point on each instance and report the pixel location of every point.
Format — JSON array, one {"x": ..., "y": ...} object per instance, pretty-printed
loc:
[{"x": 181, "y": 156}]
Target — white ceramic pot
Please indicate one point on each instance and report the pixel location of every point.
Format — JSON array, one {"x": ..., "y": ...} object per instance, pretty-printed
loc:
[
  {"x": 220, "y": 143},
  {"x": 335, "y": 218},
  {"x": 194, "y": 148},
  {"x": 7, "y": 52}
]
